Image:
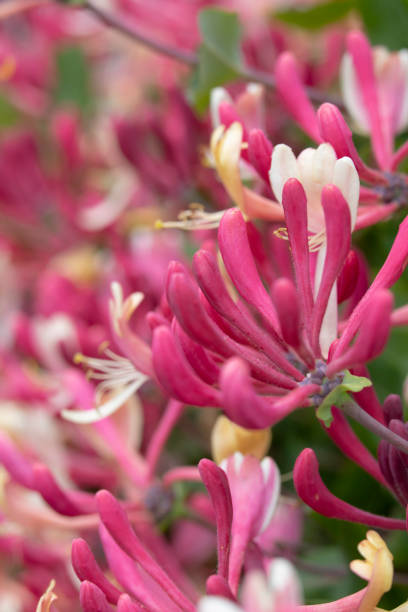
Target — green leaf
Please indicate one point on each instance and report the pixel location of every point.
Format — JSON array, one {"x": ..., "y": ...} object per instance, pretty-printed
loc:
[
  {"x": 9, "y": 114},
  {"x": 386, "y": 22},
  {"x": 219, "y": 55},
  {"x": 73, "y": 82},
  {"x": 318, "y": 16},
  {"x": 340, "y": 395},
  {"x": 355, "y": 383}
]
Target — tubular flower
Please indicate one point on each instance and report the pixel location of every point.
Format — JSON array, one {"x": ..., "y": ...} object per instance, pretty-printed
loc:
[
  {"x": 377, "y": 569},
  {"x": 374, "y": 86},
  {"x": 118, "y": 377},
  {"x": 238, "y": 524},
  {"x": 315, "y": 168},
  {"x": 259, "y": 355}
]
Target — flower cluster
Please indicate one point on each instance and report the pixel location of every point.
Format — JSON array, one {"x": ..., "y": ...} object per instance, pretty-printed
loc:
[{"x": 144, "y": 369}]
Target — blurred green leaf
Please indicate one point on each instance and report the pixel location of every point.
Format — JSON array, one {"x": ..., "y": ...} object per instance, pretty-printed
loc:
[
  {"x": 385, "y": 21},
  {"x": 219, "y": 54},
  {"x": 318, "y": 16},
  {"x": 9, "y": 114},
  {"x": 73, "y": 82}
]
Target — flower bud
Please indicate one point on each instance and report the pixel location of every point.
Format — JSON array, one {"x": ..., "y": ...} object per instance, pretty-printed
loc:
[{"x": 228, "y": 438}]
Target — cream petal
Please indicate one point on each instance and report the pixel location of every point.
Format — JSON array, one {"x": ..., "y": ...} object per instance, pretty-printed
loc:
[
  {"x": 345, "y": 177},
  {"x": 328, "y": 330},
  {"x": 217, "y": 604},
  {"x": 403, "y": 116},
  {"x": 105, "y": 409},
  {"x": 283, "y": 167},
  {"x": 218, "y": 96},
  {"x": 351, "y": 94}
]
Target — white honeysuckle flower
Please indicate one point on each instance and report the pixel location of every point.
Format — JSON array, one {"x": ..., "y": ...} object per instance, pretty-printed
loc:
[
  {"x": 391, "y": 73},
  {"x": 118, "y": 376},
  {"x": 315, "y": 168},
  {"x": 121, "y": 309}
]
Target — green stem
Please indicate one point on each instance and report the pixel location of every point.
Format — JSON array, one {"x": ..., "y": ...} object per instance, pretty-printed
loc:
[{"x": 191, "y": 59}]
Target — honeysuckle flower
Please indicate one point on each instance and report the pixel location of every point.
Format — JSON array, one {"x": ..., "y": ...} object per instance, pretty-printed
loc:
[
  {"x": 374, "y": 88},
  {"x": 377, "y": 568},
  {"x": 277, "y": 591},
  {"x": 228, "y": 438},
  {"x": 214, "y": 353},
  {"x": 374, "y": 84},
  {"x": 238, "y": 524},
  {"x": 392, "y": 462},
  {"x": 315, "y": 168}
]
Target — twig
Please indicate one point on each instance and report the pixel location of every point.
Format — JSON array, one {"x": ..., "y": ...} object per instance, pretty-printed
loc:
[
  {"x": 191, "y": 59},
  {"x": 185, "y": 57}
]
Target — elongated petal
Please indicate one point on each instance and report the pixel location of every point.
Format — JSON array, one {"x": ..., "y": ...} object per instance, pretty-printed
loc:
[
  {"x": 286, "y": 303},
  {"x": 314, "y": 493},
  {"x": 295, "y": 206},
  {"x": 125, "y": 604},
  {"x": 239, "y": 261},
  {"x": 335, "y": 130},
  {"x": 175, "y": 373},
  {"x": 283, "y": 167},
  {"x": 217, "y": 486},
  {"x": 362, "y": 56},
  {"x": 342, "y": 434},
  {"x": 293, "y": 93},
  {"x": 260, "y": 153},
  {"x": 243, "y": 406},
  {"x": 116, "y": 522},
  {"x": 338, "y": 228},
  {"x": 208, "y": 274},
  {"x": 107, "y": 408},
  {"x": 392, "y": 269},
  {"x": 372, "y": 336},
  {"x": 92, "y": 598},
  {"x": 60, "y": 500},
  {"x": 87, "y": 568}
]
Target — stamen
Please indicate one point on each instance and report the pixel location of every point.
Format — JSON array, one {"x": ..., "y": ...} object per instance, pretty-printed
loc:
[
  {"x": 194, "y": 218},
  {"x": 117, "y": 375}
]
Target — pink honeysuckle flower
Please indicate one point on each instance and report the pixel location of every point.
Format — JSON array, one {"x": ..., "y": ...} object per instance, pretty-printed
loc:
[
  {"x": 150, "y": 576},
  {"x": 374, "y": 85},
  {"x": 316, "y": 168},
  {"x": 118, "y": 375},
  {"x": 214, "y": 353},
  {"x": 237, "y": 523},
  {"x": 277, "y": 591},
  {"x": 261, "y": 480}
]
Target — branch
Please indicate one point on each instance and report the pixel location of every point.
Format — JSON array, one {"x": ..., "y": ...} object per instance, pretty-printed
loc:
[{"x": 191, "y": 59}]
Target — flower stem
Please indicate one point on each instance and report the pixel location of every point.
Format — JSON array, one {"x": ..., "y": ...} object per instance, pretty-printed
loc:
[
  {"x": 353, "y": 410},
  {"x": 190, "y": 58}
]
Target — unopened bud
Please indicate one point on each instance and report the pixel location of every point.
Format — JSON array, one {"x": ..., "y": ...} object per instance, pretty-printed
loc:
[{"x": 228, "y": 438}]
